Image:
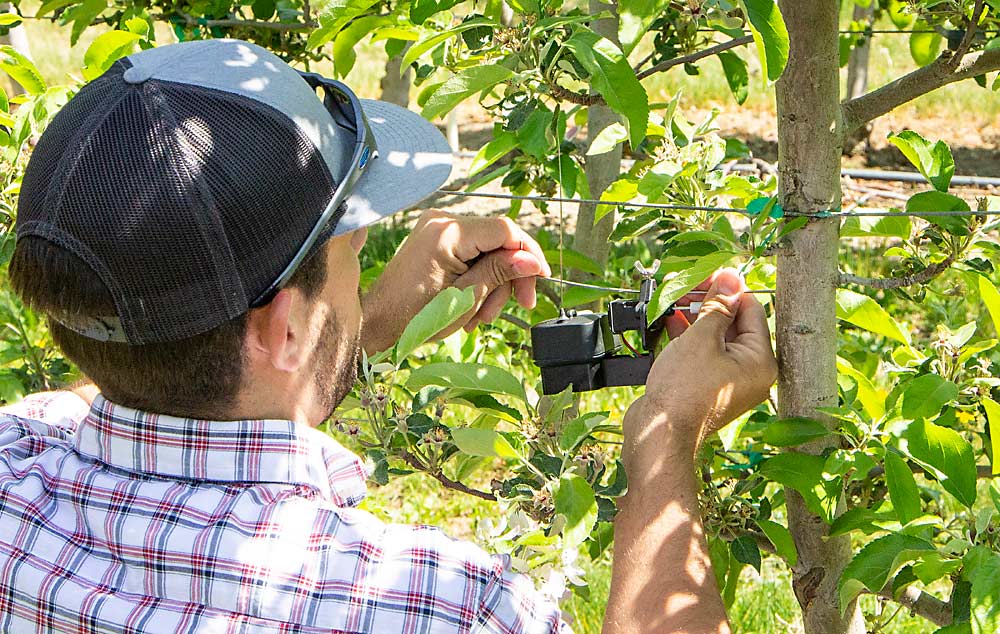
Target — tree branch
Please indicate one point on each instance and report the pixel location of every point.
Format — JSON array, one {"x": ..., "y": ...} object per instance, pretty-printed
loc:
[
  {"x": 970, "y": 33},
  {"x": 694, "y": 57},
  {"x": 860, "y": 110},
  {"x": 983, "y": 471},
  {"x": 584, "y": 99},
  {"x": 883, "y": 283},
  {"x": 190, "y": 20},
  {"x": 443, "y": 479},
  {"x": 922, "y": 604}
]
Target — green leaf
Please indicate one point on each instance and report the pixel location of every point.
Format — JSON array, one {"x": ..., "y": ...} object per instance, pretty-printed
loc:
[
  {"x": 105, "y": 50},
  {"x": 9, "y": 19},
  {"x": 503, "y": 143},
  {"x": 940, "y": 201},
  {"x": 467, "y": 376},
  {"x": 985, "y": 601},
  {"x": 679, "y": 285},
  {"x": 575, "y": 500},
  {"x": 926, "y": 395},
  {"x": 569, "y": 258},
  {"x": 991, "y": 297},
  {"x": 636, "y": 17},
  {"x": 864, "y": 312},
  {"x": 892, "y": 226},
  {"x": 949, "y": 456},
  {"x": 902, "y": 488},
  {"x": 804, "y": 473},
  {"x": 993, "y": 420},
  {"x": 458, "y": 87},
  {"x": 935, "y": 161},
  {"x": 575, "y": 431},
  {"x": 438, "y": 314},
  {"x": 612, "y": 77},
  {"x": 736, "y": 75},
  {"x": 487, "y": 443},
  {"x": 780, "y": 536},
  {"x": 420, "y": 10},
  {"x": 899, "y": 13},
  {"x": 607, "y": 139},
  {"x": 427, "y": 44},
  {"x": 622, "y": 190},
  {"x": 872, "y": 399},
  {"x": 924, "y": 46},
  {"x": 348, "y": 38},
  {"x": 789, "y": 432},
  {"x": 872, "y": 567},
  {"x": 21, "y": 70},
  {"x": 769, "y": 34},
  {"x": 746, "y": 551}
]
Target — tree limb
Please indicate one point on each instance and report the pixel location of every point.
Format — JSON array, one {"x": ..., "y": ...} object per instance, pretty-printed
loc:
[
  {"x": 445, "y": 480},
  {"x": 190, "y": 20},
  {"x": 694, "y": 57},
  {"x": 922, "y": 604},
  {"x": 883, "y": 283},
  {"x": 970, "y": 33},
  {"x": 983, "y": 471},
  {"x": 584, "y": 99},
  {"x": 860, "y": 110}
]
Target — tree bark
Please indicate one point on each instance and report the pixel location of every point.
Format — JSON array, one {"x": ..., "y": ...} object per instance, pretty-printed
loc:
[
  {"x": 857, "y": 74},
  {"x": 395, "y": 86},
  {"x": 809, "y": 148},
  {"x": 591, "y": 238}
]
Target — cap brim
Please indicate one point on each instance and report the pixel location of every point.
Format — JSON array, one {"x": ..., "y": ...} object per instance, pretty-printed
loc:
[{"x": 414, "y": 160}]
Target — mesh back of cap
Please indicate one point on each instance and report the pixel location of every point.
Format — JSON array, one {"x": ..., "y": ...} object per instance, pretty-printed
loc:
[{"x": 186, "y": 201}]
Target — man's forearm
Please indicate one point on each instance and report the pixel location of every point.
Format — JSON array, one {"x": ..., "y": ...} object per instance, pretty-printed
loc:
[{"x": 662, "y": 579}]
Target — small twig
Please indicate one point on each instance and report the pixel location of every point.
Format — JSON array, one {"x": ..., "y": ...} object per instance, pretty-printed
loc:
[
  {"x": 517, "y": 321},
  {"x": 763, "y": 542},
  {"x": 446, "y": 481},
  {"x": 885, "y": 283},
  {"x": 921, "y": 603},
  {"x": 572, "y": 96},
  {"x": 694, "y": 57},
  {"x": 970, "y": 33},
  {"x": 645, "y": 60},
  {"x": 983, "y": 471},
  {"x": 190, "y": 20}
]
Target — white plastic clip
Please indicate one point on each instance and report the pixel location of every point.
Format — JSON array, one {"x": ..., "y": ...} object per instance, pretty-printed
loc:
[{"x": 647, "y": 273}]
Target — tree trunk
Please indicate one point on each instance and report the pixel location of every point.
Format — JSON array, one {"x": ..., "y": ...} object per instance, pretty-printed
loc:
[
  {"x": 809, "y": 147},
  {"x": 592, "y": 239},
  {"x": 395, "y": 86},
  {"x": 857, "y": 74}
]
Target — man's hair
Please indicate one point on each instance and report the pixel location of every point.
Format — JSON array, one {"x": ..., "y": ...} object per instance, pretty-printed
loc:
[{"x": 197, "y": 377}]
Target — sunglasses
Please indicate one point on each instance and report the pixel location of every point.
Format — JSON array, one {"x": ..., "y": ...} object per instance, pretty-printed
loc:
[{"x": 345, "y": 108}]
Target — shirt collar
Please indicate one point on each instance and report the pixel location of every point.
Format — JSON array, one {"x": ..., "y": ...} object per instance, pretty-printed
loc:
[{"x": 241, "y": 451}]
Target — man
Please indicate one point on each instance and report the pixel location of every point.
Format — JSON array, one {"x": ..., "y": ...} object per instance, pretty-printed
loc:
[{"x": 190, "y": 223}]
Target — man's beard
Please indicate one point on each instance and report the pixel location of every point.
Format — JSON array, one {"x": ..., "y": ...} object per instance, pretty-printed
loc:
[{"x": 336, "y": 365}]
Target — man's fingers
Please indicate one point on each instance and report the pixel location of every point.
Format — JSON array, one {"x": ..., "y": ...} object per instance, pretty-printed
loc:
[
  {"x": 751, "y": 324},
  {"x": 524, "y": 292},
  {"x": 497, "y": 269},
  {"x": 484, "y": 235},
  {"x": 721, "y": 305},
  {"x": 491, "y": 308},
  {"x": 676, "y": 324}
]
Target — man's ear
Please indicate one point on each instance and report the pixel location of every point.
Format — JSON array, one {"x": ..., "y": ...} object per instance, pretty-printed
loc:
[{"x": 274, "y": 335}]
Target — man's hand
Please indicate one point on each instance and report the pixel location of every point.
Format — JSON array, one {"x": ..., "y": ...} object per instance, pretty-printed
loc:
[
  {"x": 492, "y": 255},
  {"x": 711, "y": 372}
]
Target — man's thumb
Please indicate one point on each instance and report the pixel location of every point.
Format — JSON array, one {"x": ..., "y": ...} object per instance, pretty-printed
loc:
[
  {"x": 497, "y": 268},
  {"x": 721, "y": 303}
]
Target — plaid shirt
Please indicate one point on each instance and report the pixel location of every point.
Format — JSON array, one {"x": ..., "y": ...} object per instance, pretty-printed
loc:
[{"x": 114, "y": 520}]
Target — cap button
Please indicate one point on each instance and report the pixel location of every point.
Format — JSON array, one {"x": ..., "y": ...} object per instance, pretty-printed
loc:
[{"x": 137, "y": 75}]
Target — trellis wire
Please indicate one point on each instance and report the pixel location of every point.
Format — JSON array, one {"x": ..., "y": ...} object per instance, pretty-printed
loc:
[{"x": 833, "y": 213}]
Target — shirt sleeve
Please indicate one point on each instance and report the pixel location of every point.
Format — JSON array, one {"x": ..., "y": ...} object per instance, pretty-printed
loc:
[
  {"x": 512, "y": 605},
  {"x": 50, "y": 413}
]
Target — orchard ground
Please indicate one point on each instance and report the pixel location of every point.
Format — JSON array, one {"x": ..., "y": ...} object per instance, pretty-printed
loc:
[{"x": 963, "y": 115}]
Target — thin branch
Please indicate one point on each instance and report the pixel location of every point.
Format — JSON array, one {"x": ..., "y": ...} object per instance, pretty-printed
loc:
[
  {"x": 922, "y": 604},
  {"x": 883, "y": 283},
  {"x": 970, "y": 34},
  {"x": 983, "y": 471},
  {"x": 694, "y": 57},
  {"x": 190, "y": 20},
  {"x": 763, "y": 543},
  {"x": 517, "y": 321},
  {"x": 446, "y": 481},
  {"x": 860, "y": 110},
  {"x": 585, "y": 99}
]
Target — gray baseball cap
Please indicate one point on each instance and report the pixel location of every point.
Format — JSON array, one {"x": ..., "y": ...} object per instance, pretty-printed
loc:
[{"x": 193, "y": 179}]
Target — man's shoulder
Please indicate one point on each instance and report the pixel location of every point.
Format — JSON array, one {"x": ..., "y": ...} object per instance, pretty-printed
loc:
[{"x": 43, "y": 414}]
